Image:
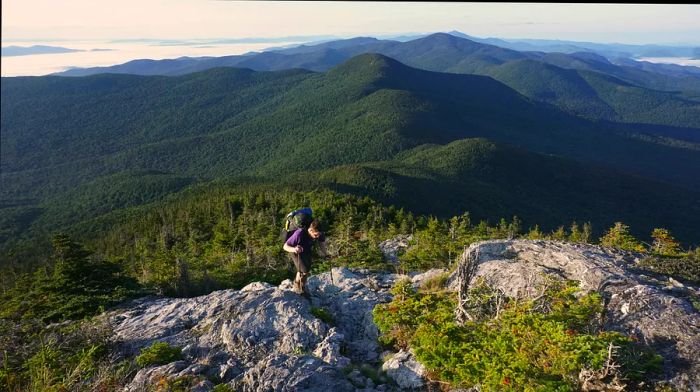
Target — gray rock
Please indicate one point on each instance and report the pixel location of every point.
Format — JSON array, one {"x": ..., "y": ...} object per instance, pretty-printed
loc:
[
  {"x": 250, "y": 336},
  {"x": 225, "y": 372},
  {"x": 392, "y": 247},
  {"x": 636, "y": 306},
  {"x": 329, "y": 349},
  {"x": 351, "y": 297},
  {"x": 518, "y": 266},
  {"x": 151, "y": 375},
  {"x": 202, "y": 386},
  {"x": 403, "y": 368},
  {"x": 362, "y": 383},
  {"x": 269, "y": 321},
  {"x": 418, "y": 279},
  {"x": 292, "y": 373},
  {"x": 257, "y": 286},
  {"x": 173, "y": 320},
  {"x": 193, "y": 369}
]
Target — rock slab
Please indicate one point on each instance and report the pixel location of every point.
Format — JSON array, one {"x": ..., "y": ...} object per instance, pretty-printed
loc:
[{"x": 266, "y": 338}]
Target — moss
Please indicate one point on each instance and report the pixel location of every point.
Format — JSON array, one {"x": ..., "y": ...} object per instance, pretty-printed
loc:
[
  {"x": 158, "y": 353},
  {"x": 367, "y": 370},
  {"x": 435, "y": 283},
  {"x": 175, "y": 384},
  {"x": 322, "y": 314}
]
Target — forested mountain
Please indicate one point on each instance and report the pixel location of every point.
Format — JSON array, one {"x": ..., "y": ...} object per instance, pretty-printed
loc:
[
  {"x": 229, "y": 122},
  {"x": 655, "y": 76},
  {"x": 560, "y": 79},
  {"x": 76, "y": 148},
  {"x": 117, "y": 186},
  {"x": 492, "y": 179}
]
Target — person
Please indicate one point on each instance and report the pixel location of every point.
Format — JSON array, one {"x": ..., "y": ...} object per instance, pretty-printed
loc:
[{"x": 299, "y": 246}]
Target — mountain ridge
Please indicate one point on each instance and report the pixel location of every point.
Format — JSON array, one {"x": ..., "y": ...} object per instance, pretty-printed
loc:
[
  {"x": 447, "y": 53},
  {"x": 230, "y": 123}
]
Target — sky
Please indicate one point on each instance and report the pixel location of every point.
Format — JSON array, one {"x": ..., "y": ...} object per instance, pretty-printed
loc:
[
  {"x": 108, "y": 32},
  {"x": 72, "y": 20}
]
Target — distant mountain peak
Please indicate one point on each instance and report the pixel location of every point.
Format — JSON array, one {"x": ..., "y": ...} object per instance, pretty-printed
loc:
[
  {"x": 443, "y": 37},
  {"x": 360, "y": 39},
  {"x": 369, "y": 62},
  {"x": 452, "y": 42}
]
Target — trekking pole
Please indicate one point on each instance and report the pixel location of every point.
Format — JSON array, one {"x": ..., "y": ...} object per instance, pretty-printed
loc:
[{"x": 331, "y": 263}]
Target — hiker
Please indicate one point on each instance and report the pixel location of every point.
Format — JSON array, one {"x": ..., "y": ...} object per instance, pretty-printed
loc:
[{"x": 299, "y": 245}]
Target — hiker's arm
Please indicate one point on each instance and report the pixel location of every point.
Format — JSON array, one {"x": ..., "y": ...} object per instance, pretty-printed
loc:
[
  {"x": 292, "y": 243},
  {"x": 291, "y": 249}
]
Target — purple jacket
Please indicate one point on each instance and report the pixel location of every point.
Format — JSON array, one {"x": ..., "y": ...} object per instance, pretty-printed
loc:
[{"x": 302, "y": 237}]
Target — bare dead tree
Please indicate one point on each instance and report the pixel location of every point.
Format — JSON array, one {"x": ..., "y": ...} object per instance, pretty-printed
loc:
[
  {"x": 466, "y": 270},
  {"x": 500, "y": 300},
  {"x": 476, "y": 299},
  {"x": 540, "y": 302},
  {"x": 607, "y": 378}
]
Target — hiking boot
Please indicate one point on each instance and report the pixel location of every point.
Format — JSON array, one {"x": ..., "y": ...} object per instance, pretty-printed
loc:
[
  {"x": 297, "y": 287},
  {"x": 300, "y": 285}
]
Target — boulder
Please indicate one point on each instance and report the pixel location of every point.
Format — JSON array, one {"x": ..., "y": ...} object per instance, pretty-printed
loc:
[
  {"x": 261, "y": 337},
  {"x": 392, "y": 247},
  {"x": 279, "y": 372},
  {"x": 647, "y": 308},
  {"x": 403, "y": 368}
]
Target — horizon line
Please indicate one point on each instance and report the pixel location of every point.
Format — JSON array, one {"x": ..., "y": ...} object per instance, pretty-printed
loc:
[{"x": 312, "y": 38}]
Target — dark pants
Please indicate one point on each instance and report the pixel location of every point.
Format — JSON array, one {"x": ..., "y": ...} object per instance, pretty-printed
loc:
[{"x": 303, "y": 264}]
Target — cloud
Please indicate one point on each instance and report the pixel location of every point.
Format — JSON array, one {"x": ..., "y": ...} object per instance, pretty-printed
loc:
[{"x": 10, "y": 51}]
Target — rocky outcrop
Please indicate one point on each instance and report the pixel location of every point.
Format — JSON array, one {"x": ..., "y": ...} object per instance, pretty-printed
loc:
[
  {"x": 267, "y": 338},
  {"x": 654, "y": 309},
  {"x": 263, "y": 337},
  {"x": 405, "y": 370}
]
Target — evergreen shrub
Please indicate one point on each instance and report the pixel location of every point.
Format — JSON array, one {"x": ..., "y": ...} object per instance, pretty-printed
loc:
[{"x": 530, "y": 345}]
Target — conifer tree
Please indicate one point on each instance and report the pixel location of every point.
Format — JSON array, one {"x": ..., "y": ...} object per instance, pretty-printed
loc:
[
  {"x": 559, "y": 234},
  {"x": 535, "y": 233},
  {"x": 465, "y": 223},
  {"x": 454, "y": 228},
  {"x": 618, "y": 236},
  {"x": 482, "y": 229},
  {"x": 71, "y": 265},
  {"x": 514, "y": 228},
  {"x": 586, "y": 233},
  {"x": 664, "y": 244},
  {"x": 502, "y": 229},
  {"x": 78, "y": 286},
  {"x": 575, "y": 235}
]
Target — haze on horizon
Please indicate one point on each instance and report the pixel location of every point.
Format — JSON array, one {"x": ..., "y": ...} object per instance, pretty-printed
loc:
[{"x": 72, "y": 20}]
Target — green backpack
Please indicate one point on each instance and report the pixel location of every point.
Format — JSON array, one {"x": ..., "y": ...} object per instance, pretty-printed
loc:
[{"x": 296, "y": 219}]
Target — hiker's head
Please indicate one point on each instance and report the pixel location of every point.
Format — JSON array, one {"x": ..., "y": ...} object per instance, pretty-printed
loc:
[{"x": 313, "y": 229}]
